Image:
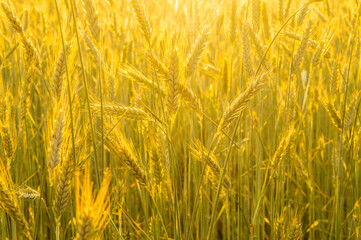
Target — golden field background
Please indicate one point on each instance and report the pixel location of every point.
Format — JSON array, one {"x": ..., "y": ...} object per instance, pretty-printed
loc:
[{"x": 180, "y": 119}]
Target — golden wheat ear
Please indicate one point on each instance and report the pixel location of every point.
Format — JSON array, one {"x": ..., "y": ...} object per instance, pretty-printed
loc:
[
  {"x": 142, "y": 17},
  {"x": 9, "y": 201},
  {"x": 92, "y": 209},
  {"x": 157, "y": 64},
  {"x": 196, "y": 51},
  {"x": 25, "y": 100},
  {"x": 173, "y": 84},
  {"x": 122, "y": 150},
  {"x": 301, "y": 50},
  {"x": 191, "y": 99},
  {"x": 240, "y": 102},
  {"x": 92, "y": 17},
  {"x": 335, "y": 85},
  {"x": 284, "y": 147},
  {"x": 135, "y": 75},
  {"x": 63, "y": 187},
  {"x": 332, "y": 112},
  {"x": 32, "y": 55},
  {"x": 247, "y": 61},
  {"x": 60, "y": 68},
  {"x": 201, "y": 154},
  {"x": 56, "y": 141},
  {"x": 131, "y": 113},
  {"x": 8, "y": 128}
]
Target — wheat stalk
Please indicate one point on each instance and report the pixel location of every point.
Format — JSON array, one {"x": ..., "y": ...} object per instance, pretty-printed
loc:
[
  {"x": 284, "y": 147},
  {"x": 302, "y": 15},
  {"x": 225, "y": 78},
  {"x": 93, "y": 49}
]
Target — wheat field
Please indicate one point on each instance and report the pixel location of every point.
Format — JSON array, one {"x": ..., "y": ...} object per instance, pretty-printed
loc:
[{"x": 180, "y": 119}]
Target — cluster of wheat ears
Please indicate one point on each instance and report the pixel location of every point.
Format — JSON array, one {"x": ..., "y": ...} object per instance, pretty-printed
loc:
[{"x": 180, "y": 119}]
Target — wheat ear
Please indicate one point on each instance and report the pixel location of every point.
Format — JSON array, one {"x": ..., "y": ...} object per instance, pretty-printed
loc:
[
  {"x": 256, "y": 13},
  {"x": 135, "y": 75},
  {"x": 117, "y": 143},
  {"x": 63, "y": 187},
  {"x": 246, "y": 50},
  {"x": 92, "y": 17},
  {"x": 56, "y": 141},
  {"x": 191, "y": 99},
  {"x": 173, "y": 83},
  {"x": 332, "y": 112},
  {"x": 32, "y": 55},
  {"x": 142, "y": 17},
  {"x": 60, "y": 71},
  {"x": 301, "y": 50},
  {"x": 196, "y": 52},
  {"x": 240, "y": 102},
  {"x": 132, "y": 113}
]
